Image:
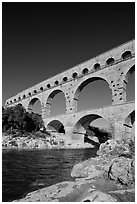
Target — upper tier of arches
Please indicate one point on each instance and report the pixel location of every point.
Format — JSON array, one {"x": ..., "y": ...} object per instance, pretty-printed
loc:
[{"x": 124, "y": 55}]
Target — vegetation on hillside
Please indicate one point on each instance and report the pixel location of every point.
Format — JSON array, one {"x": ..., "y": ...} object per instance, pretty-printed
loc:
[{"x": 16, "y": 120}]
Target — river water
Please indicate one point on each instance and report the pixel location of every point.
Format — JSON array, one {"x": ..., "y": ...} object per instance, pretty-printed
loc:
[{"x": 27, "y": 170}]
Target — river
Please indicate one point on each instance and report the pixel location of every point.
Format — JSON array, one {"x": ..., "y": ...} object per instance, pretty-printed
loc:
[{"x": 27, "y": 170}]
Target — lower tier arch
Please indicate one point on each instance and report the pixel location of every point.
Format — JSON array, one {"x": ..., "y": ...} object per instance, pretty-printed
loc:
[
  {"x": 55, "y": 126},
  {"x": 84, "y": 125}
]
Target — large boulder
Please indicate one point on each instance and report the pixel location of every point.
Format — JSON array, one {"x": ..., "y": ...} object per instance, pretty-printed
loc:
[
  {"x": 113, "y": 161},
  {"x": 113, "y": 148},
  {"x": 122, "y": 170},
  {"x": 90, "y": 168}
]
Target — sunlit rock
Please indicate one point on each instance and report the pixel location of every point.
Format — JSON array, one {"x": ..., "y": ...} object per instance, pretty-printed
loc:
[
  {"x": 122, "y": 170},
  {"x": 97, "y": 196}
]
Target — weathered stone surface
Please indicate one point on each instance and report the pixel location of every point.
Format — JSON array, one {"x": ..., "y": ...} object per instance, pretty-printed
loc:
[
  {"x": 81, "y": 190},
  {"x": 49, "y": 194},
  {"x": 90, "y": 168},
  {"x": 97, "y": 196},
  {"x": 64, "y": 189},
  {"x": 122, "y": 170},
  {"x": 127, "y": 195},
  {"x": 113, "y": 148},
  {"x": 110, "y": 163}
]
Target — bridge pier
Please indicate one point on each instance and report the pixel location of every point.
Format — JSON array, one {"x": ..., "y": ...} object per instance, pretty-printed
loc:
[
  {"x": 68, "y": 135},
  {"x": 72, "y": 138},
  {"x": 118, "y": 132}
]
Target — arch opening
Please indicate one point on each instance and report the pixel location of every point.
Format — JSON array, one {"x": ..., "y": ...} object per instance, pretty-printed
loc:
[
  {"x": 55, "y": 126},
  {"x": 85, "y": 71},
  {"x": 74, "y": 75},
  {"x": 110, "y": 61},
  {"x": 56, "y": 103},
  {"x": 56, "y": 82},
  {"x": 129, "y": 125},
  {"x": 130, "y": 84},
  {"x": 65, "y": 79},
  {"x": 93, "y": 93},
  {"x": 126, "y": 55},
  {"x": 48, "y": 86},
  {"x": 93, "y": 129},
  {"x": 35, "y": 106},
  {"x": 97, "y": 66},
  {"x": 19, "y": 104}
]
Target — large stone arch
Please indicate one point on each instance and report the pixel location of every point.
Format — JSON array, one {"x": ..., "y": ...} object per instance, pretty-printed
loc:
[
  {"x": 83, "y": 84},
  {"x": 55, "y": 126},
  {"x": 82, "y": 124},
  {"x": 32, "y": 102},
  {"x": 50, "y": 99}
]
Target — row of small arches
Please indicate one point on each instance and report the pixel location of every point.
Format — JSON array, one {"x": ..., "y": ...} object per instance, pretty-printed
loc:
[{"x": 109, "y": 62}]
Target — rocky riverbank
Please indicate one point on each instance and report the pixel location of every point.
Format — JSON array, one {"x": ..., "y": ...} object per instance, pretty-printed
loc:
[
  {"x": 31, "y": 141},
  {"x": 38, "y": 141},
  {"x": 109, "y": 177}
]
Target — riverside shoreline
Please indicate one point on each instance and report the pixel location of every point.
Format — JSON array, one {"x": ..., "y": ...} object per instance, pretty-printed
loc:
[
  {"x": 30, "y": 142},
  {"x": 109, "y": 177}
]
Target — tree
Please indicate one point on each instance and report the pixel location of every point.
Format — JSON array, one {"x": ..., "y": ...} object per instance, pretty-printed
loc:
[
  {"x": 37, "y": 121},
  {"x": 16, "y": 119},
  {"x": 19, "y": 116}
]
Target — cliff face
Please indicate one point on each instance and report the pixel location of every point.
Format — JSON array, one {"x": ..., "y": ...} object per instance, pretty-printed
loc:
[{"x": 109, "y": 177}]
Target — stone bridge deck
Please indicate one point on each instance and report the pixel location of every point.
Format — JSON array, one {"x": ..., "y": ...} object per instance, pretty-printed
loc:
[{"x": 119, "y": 111}]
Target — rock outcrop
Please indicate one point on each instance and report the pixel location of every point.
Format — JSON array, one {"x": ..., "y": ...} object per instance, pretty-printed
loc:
[
  {"x": 122, "y": 170},
  {"x": 32, "y": 142}
]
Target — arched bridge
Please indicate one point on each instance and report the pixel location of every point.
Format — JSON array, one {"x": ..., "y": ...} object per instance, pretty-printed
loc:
[{"x": 114, "y": 67}]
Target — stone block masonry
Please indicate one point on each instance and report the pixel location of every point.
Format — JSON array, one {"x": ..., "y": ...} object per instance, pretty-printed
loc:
[{"x": 114, "y": 66}]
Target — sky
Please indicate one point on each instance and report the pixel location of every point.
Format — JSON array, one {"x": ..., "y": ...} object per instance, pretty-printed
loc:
[{"x": 40, "y": 40}]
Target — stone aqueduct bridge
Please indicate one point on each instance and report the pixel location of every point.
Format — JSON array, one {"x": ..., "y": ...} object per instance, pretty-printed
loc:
[{"x": 114, "y": 66}]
